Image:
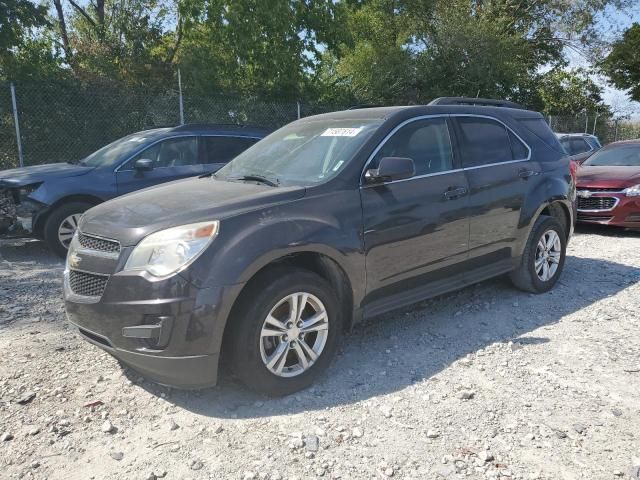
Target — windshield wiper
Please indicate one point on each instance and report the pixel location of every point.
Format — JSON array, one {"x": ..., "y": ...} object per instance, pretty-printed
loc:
[{"x": 255, "y": 178}]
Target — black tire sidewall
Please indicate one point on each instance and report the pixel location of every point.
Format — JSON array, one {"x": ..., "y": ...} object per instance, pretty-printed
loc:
[
  {"x": 542, "y": 227},
  {"x": 54, "y": 220},
  {"x": 244, "y": 348}
]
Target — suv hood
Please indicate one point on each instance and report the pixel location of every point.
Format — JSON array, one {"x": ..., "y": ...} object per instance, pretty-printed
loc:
[
  {"x": 20, "y": 177},
  {"x": 132, "y": 217},
  {"x": 608, "y": 177}
]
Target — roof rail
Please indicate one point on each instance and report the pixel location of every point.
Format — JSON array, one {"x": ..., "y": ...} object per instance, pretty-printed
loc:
[
  {"x": 363, "y": 105},
  {"x": 204, "y": 126},
  {"x": 485, "y": 102}
]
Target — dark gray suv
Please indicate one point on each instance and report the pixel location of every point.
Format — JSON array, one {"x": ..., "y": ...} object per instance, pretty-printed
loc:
[{"x": 327, "y": 221}]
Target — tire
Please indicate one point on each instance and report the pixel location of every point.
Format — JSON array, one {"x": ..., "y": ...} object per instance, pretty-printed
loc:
[
  {"x": 526, "y": 277},
  {"x": 54, "y": 222},
  {"x": 249, "y": 352}
]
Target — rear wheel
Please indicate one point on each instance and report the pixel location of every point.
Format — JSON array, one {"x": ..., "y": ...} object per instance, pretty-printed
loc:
[
  {"x": 286, "y": 335},
  {"x": 61, "y": 224},
  {"x": 543, "y": 258}
]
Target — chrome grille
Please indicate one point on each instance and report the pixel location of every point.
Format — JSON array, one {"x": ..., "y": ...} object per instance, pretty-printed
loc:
[
  {"x": 593, "y": 218},
  {"x": 99, "y": 244},
  {"x": 590, "y": 189},
  {"x": 87, "y": 284},
  {"x": 596, "y": 203}
]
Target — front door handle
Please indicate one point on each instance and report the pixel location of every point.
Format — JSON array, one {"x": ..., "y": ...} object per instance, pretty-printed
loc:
[
  {"x": 524, "y": 173},
  {"x": 455, "y": 192}
]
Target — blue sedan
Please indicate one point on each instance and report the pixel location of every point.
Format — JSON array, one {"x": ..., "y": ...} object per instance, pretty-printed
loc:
[{"x": 46, "y": 201}]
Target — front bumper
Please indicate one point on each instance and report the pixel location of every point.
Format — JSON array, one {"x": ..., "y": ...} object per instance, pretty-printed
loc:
[
  {"x": 17, "y": 218},
  {"x": 625, "y": 211},
  {"x": 197, "y": 371},
  {"x": 169, "y": 330}
]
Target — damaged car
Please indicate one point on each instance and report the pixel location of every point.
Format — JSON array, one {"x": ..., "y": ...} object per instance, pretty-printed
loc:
[{"x": 47, "y": 201}]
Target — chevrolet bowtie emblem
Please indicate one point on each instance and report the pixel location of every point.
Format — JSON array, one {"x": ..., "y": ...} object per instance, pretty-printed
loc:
[
  {"x": 74, "y": 260},
  {"x": 584, "y": 193}
]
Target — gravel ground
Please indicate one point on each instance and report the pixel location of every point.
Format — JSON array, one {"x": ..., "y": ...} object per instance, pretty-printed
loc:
[{"x": 487, "y": 382}]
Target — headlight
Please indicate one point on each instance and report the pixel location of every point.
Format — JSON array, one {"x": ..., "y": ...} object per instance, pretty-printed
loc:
[
  {"x": 28, "y": 189},
  {"x": 167, "y": 251},
  {"x": 632, "y": 191}
]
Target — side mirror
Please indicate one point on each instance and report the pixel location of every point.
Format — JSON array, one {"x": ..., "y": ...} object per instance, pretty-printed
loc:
[
  {"x": 143, "y": 164},
  {"x": 391, "y": 168}
]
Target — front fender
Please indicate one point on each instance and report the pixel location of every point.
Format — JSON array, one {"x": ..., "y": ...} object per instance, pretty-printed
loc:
[{"x": 329, "y": 225}]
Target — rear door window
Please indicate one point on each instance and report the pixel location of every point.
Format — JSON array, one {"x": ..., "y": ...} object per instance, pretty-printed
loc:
[
  {"x": 484, "y": 141},
  {"x": 224, "y": 149},
  {"x": 578, "y": 145}
]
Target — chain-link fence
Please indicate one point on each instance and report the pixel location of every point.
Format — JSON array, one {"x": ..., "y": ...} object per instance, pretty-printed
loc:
[
  {"x": 606, "y": 129},
  {"x": 67, "y": 121}
]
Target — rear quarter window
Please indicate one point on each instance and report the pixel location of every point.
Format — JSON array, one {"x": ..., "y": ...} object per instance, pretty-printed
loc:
[{"x": 541, "y": 129}]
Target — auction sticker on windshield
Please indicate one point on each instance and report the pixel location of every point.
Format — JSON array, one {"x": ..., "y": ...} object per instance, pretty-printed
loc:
[{"x": 341, "y": 132}]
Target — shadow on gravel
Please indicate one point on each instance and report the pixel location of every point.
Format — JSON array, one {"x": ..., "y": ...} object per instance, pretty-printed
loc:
[
  {"x": 413, "y": 345},
  {"x": 30, "y": 284},
  {"x": 28, "y": 252},
  {"x": 595, "y": 229}
]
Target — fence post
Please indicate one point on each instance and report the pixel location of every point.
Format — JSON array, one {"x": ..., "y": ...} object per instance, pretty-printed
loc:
[
  {"x": 298, "y": 110},
  {"x": 15, "y": 121},
  {"x": 180, "y": 98}
]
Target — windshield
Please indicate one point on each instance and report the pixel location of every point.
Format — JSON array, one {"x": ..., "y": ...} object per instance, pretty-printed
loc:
[
  {"x": 114, "y": 152},
  {"x": 301, "y": 153},
  {"x": 618, "y": 156}
]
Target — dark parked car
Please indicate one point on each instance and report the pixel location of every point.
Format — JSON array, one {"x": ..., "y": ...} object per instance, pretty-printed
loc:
[
  {"x": 579, "y": 146},
  {"x": 609, "y": 186},
  {"x": 46, "y": 201},
  {"x": 327, "y": 221}
]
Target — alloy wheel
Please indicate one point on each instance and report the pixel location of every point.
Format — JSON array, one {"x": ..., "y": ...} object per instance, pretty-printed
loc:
[
  {"x": 294, "y": 334},
  {"x": 67, "y": 228},
  {"x": 548, "y": 253}
]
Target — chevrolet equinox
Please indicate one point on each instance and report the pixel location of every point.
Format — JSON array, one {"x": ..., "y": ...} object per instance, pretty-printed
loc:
[{"x": 329, "y": 220}]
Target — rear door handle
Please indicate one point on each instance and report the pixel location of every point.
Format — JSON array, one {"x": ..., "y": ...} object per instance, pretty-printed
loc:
[
  {"x": 455, "y": 192},
  {"x": 524, "y": 173}
]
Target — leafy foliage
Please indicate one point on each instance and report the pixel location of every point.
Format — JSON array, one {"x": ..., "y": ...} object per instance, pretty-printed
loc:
[
  {"x": 622, "y": 64},
  {"x": 348, "y": 51}
]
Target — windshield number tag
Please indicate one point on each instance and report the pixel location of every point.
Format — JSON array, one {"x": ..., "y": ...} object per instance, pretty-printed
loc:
[{"x": 341, "y": 132}]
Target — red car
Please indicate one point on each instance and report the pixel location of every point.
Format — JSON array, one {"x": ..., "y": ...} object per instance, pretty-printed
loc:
[{"x": 608, "y": 186}]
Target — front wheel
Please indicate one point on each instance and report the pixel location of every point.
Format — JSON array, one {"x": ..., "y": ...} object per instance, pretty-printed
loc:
[
  {"x": 61, "y": 224},
  {"x": 543, "y": 258},
  {"x": 286, "y": 333}
]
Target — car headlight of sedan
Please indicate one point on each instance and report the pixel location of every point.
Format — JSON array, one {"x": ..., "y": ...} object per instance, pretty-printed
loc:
[
  {"x": 632, "y": 191},
  {"x": 28, "y": 189},
  {"x": 168, "y": 251}
]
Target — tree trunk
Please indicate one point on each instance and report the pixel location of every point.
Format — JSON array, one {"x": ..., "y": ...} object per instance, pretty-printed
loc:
[{"x": 63, "y": 31}]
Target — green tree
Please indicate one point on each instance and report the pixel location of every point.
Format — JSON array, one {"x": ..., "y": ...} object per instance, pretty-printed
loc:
[
  {"x": 132, "y": 41},
  {"x": 18, "y": 20},
  {"x": 565, "y": 92},
  {"x": 265, "y": 47},
  {"x": 622, "y": 65},
  {"x": 401, "y": 51}
]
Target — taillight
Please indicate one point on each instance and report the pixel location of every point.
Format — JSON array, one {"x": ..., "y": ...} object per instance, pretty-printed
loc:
[{"x": 573, "y": 169}]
